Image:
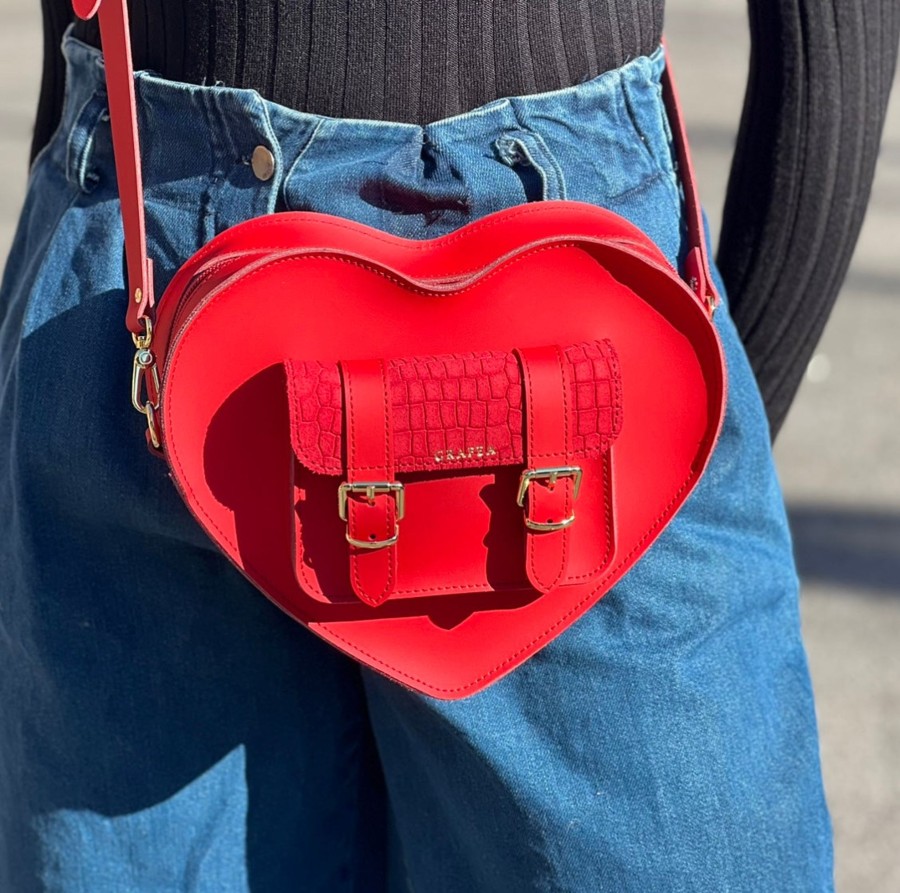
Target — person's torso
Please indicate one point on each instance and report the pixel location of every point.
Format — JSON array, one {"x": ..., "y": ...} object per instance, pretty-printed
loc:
[{"x": 401, "y": 60}]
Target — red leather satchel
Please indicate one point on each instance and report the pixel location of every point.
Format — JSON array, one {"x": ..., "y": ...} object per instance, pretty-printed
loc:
[{"x": 434, "y": 454}]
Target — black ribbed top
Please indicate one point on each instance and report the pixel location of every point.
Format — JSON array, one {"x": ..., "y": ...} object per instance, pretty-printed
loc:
[
  {"x": 398, "y": 60},
  {"x": 803, "y": 166}
]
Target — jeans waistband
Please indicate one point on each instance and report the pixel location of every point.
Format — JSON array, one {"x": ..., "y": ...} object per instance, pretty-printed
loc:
[{"x": 211, "y": 131}]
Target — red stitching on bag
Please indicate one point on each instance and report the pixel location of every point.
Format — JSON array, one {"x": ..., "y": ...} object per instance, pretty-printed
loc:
[
  {"x": 406, "y": 283},
  {"x": 358, "y": 588},
  {"x": 268, "y": 221},
  {"x": 616, "y": 376},
  {"x": 526, "y": 368},
  {"x": 566, "y": 483},
  {"x": 613, "y": 359},
  {"x": 389, "y": 458}
]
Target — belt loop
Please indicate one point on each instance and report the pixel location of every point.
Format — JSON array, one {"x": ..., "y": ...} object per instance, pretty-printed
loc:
[
  {"x": 80, "y": 168},
  {"x": 267, "y": 139},
  {"x": 238, "y": 123}
]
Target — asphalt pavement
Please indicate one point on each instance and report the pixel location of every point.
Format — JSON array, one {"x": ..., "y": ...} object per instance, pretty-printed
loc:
[{"x": 838, "y": 454}]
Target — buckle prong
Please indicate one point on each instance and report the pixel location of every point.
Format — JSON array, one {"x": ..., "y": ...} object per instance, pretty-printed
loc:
[
  {"x": 371, "y": 489},
  {"x": 552, "y": 476}
]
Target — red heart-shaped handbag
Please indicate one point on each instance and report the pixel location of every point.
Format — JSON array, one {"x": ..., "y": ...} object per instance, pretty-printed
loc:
[{"x": 434, "y": 454}]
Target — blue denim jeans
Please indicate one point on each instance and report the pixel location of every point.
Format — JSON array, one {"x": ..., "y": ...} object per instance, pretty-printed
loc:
[{"x": 164, "y": 728}]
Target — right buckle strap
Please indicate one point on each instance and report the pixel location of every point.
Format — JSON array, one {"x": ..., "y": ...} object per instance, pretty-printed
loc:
[
  {"x": 550, "y": 483},
  {"x": 551, "y": 476}
]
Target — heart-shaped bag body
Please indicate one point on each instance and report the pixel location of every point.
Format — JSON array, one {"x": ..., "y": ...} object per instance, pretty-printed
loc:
[{"x": 435, "y": 454}]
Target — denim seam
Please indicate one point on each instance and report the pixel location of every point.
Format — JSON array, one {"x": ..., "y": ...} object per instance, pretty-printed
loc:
[
  {"x": 522, "y": 157},
  {"x": 545, "y": 151},
  {"x": 80, "y": 141},
  {"x": 226, "y": 153},
  {"x": 666, "y": 127},
  {"x": 544, "y": 162},
  {"x": 295, "y": 165},
  {"x": 274, "y": 186},
  {"x": 644, "y": 138},
  {"x": 216, "y": 177},
  {"x": 556, "y": 167},
  {"x": 259, "y": 125}
]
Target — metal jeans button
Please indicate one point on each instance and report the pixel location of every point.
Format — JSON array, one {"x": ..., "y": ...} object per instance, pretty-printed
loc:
[{"x": 263, "y": 163}]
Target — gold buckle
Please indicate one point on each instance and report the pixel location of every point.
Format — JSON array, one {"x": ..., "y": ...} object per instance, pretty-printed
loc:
[
  {"x": 372, "y": 489},
  {"x": 552, "y": 475}
]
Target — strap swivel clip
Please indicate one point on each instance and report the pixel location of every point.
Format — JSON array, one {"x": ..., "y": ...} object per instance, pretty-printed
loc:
[{"x": 145, "y": 384}]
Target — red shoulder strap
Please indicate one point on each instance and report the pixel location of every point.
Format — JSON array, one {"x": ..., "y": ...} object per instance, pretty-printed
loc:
[
  {"x": 697, "y": 261},
  {"x": 116, "y": 43},
  {"x": 126, "y": 147}
]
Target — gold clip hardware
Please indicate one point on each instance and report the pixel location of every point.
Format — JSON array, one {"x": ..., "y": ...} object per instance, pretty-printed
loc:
[
  {"x": 551, "y": 475},
  {"x": 371, "y": 490},
  {"x": 145, "y": 384},
  {"x": 145, "y": 339}
]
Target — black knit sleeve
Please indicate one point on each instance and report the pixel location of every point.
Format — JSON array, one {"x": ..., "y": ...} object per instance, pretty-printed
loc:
[{"x": 820, "y": 75}]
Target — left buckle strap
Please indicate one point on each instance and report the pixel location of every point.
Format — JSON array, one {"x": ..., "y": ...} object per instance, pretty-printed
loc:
[
  {"x": 370, "y": 501},
  {"x": 371, "y": 489}
]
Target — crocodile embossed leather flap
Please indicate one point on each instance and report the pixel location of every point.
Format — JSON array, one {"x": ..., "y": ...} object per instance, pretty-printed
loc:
[{"x": 454, "y": 411}]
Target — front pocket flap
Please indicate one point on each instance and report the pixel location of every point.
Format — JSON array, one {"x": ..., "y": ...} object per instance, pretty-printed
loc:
[{"x": 454, "y": 411}]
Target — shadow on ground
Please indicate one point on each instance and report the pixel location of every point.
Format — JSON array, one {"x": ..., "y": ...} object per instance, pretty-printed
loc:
[{"x": 847, "y": 547}]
